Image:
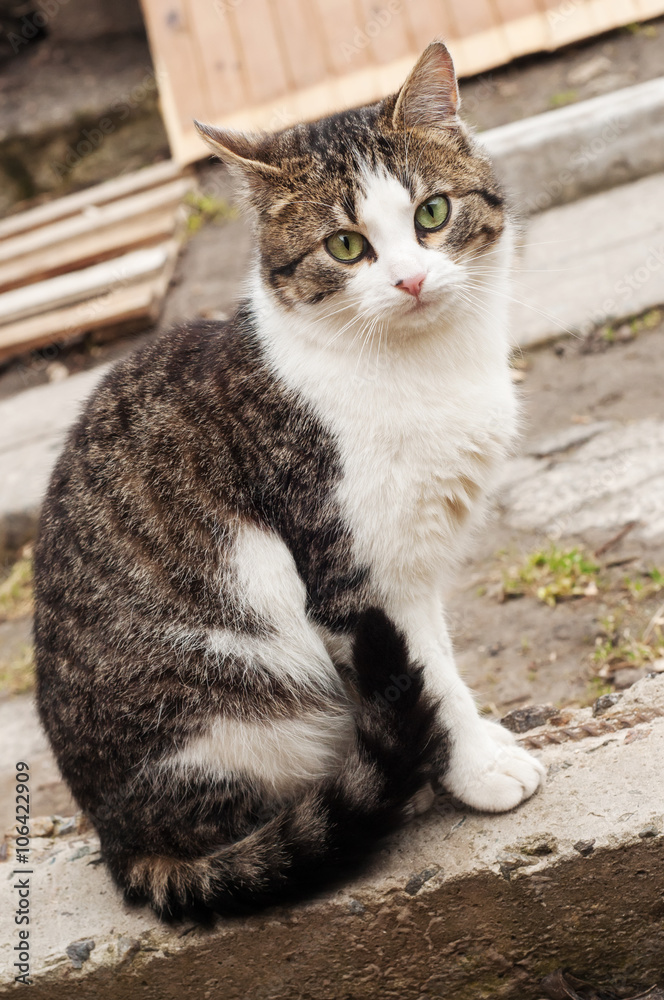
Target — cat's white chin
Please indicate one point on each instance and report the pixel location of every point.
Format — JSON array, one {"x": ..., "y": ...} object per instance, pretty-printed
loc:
[{"x": 421, "y": 317}]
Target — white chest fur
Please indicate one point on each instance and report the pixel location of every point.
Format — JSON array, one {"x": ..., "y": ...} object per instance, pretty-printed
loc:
[
  {"x": 420, "y": 436},
  {"x": 417, "y": 463}
]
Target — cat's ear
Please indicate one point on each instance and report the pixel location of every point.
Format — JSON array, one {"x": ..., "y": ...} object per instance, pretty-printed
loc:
[
  {"x": 239, "y": 150},
  {"x": 430, "y": 96}
]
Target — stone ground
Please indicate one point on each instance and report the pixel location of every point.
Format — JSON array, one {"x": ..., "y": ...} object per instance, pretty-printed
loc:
[
  {"x": 457, "y": 904},
  {"x": 577, "y": 395}
]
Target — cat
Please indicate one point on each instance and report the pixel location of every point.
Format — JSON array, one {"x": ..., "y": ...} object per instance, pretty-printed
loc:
[{"x": 243, "y": 661}]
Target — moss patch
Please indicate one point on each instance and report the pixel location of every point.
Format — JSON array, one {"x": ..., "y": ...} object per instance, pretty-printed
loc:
[{"x": 16, "y": 590}]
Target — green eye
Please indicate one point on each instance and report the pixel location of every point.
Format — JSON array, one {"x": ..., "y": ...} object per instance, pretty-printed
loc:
[
  {"x": 345, "y": 246},
  {"x": 433, "y": 213}
]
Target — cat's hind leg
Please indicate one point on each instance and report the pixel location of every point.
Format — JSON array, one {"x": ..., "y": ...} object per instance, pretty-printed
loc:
[
  {"x": 292, "y": 722},
  {"x": 196, "y": 844}
]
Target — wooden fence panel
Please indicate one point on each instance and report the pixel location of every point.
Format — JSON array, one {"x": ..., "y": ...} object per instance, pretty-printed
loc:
[{"x": 268, "y": 63}]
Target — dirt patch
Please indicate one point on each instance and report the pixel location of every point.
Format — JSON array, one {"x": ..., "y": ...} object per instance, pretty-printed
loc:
[{"x": 522, "y": 650}]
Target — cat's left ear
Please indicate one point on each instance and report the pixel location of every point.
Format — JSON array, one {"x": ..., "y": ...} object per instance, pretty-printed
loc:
[
  {"x": 430, "y": 95},
  {"x": 249, "y": 153}
]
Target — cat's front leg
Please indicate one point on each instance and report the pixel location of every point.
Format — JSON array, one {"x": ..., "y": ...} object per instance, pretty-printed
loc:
[{"x": 487, "y": 769}]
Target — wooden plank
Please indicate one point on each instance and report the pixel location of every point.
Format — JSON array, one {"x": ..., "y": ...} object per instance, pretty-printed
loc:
[
  {"x": 77, "y": 285},
  {"x": 524, "y": 27},
  {"x": 295, "y": 69},
  {"x": 514, "y": 10},
  {"x": 621, "y": 10},
  {"x": 220, "y": 59},
  {"x": 648, "y": 8},
  {"x": 91, "y": 248},
  {"x": 341, "y": 30},
  {"x": 429, "y": 19},
  {"x": 614, "y": 12},
  {"x": 304, "y": 48},
  {"x": 385, "y": 31},
  {"x": 473, "y": 17},
  {"x": 94, "y": 219},
  {"x": 100, "y": 194},
  {"x": 481, "y": 51},
  {"x": 259, "y": 50},
  {"x": 118, "y": 306},
  {"x": 177, "y": 60}
]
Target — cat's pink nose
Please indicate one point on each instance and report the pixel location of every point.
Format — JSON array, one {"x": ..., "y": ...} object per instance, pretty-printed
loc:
[{"x": 412, "y": 285}]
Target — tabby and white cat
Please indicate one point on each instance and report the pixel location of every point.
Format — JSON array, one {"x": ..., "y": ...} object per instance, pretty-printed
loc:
[{"x": 243, "y": 661}]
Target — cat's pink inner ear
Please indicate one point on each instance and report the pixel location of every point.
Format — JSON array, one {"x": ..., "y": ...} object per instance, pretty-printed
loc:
[
  {"x": 237, "y": 149},
  {"x": 430, "y": 95}
]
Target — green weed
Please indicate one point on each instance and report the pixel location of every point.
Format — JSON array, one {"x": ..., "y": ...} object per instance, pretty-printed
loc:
[
  {"x": 553, "y": 575},
  {"x": 204, "y": 208},
  {"x": 563, "y": 97}
]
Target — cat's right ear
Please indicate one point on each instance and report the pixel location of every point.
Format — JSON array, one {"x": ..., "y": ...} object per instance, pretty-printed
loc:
[
  {"x": 430, "y": 96},
  {"x": 239, "y": 150}
]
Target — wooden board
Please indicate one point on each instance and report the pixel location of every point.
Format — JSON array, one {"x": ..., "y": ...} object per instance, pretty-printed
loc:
[
  {"x": 96, "y": 258},
  {"x": 99, "y": 194},
  {"x": 93, "y": 234},
  {"x": 92, "y": 247},
  {"x": 77, "y": 286},
  {"x": 114, "y": 307},
  {"x": 265, "y": 64}
]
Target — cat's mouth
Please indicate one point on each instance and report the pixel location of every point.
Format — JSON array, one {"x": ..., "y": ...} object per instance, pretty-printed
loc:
[{"x": 419, "y": 305}]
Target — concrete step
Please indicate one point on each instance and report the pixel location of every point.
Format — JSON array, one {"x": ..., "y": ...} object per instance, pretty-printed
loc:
[
  {"x": 591, "y": 262},
  {"x": 33, "y": 427},
  {"x": 567, "y": 154},
  {"x": 475, "y": 907}
]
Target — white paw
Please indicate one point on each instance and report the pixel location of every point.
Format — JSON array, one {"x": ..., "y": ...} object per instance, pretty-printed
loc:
[{"x": 490, "y": 772}]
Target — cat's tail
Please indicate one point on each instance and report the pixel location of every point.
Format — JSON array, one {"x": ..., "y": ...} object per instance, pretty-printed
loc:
[{"x": 334, "y": 826}]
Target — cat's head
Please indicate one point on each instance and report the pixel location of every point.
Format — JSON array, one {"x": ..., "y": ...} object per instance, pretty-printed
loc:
[{"x": 389, "y": 212}]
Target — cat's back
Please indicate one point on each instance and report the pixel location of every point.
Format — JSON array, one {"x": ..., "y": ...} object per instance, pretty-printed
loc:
[
  {"x": 156, "y": 438},
  {"x": 180, "y": 444},
  {"x": 182, "y": 381},
  {"x": 136, "y": 528}
]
